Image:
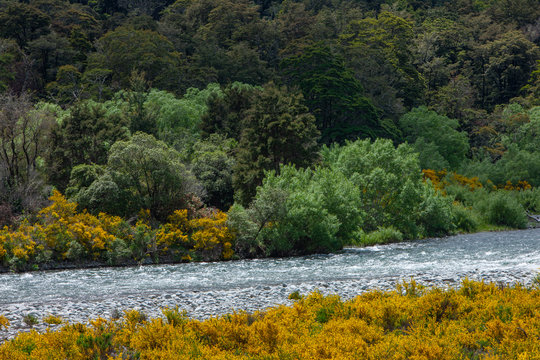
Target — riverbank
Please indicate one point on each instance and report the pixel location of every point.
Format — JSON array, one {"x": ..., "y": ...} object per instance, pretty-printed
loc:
[
  {"x": 208, "y": 289},
  {"x": 374, "y": 239},
  {"x": 471, "y": 320}
]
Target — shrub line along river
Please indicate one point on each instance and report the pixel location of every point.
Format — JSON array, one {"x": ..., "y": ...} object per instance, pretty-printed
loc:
[{"x": 211, "y": 289}]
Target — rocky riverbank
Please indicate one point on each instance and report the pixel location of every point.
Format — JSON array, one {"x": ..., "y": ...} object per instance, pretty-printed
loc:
[{"x": 201, "y": 304}]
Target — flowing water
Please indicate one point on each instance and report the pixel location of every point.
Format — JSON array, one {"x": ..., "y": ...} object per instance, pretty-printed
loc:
[{"x": 209, "y": 289}]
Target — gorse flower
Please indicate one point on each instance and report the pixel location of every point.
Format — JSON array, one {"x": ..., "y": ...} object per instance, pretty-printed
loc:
[
  {"x": 475, "y": 321},
  {"x": 63, "y": 233}
]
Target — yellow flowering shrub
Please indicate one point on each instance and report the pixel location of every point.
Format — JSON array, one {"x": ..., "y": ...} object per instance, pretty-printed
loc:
[
  {"x": 441, "y": 179},
  {"x": 174, "y": 233},
  {"x": 520, "y": 185},
  {"x": 64, "y": 234},
  {"x": 52, "y": 319},
  {"x": 212, "y": 237},
  {"x": 475, "y": 321},
  {"x": 4, "y": 322}
]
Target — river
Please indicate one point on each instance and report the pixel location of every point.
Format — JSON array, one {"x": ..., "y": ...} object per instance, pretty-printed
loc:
[{"x": 211, "y": 289}]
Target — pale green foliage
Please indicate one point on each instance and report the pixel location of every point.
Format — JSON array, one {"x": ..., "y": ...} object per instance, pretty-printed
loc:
[
  {"x": 155, "y": 171},
  {"x": 389, "y": 181},
  {"x": 383, "y": 235},
  {"x": 435, "y": 138},
  {"x": 298, "y": 211},
  {"x": 390, "y": 185},
  {"x": 502, "y": 208},
  {"x": 436, "y": 213},
  {"x": 173, "y": 120},
  {"x": 179, "y": 117}
]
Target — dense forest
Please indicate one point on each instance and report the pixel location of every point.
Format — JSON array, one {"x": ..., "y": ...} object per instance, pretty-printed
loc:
[{"x": 205, "y": 129}]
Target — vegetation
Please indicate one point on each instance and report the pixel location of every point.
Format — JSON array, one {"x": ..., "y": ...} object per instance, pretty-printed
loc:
[
  {"x": 62, "y": 234},
  {"x": 475, "y": 321},
  {"x": 274, "y": 113}
]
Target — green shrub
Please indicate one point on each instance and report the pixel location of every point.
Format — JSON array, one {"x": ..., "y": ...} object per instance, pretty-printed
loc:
[
  {"x": 530, "y": 200},
  {"x": 384, "y": 235},
  {"x": 175, "y": 317},
  {"x": 501, "y": 208},
  {"x": 30, "y": 319},
  {"x": 119, "y": 251},
  {"x": 295, "y": 295},
  {"x": 464, "y": 218},
  {"x": 436, "y": 213}
]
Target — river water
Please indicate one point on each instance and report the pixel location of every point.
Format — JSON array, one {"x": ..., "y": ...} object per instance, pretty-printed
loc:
[{"x": 210, "y": 289}]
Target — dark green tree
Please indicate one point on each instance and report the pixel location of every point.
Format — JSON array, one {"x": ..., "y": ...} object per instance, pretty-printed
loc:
[
  {"x": 84, "y": 137},
  {"x": 278, "y": 130},
  {"x": 125, "y": 49},
  {"x": 226, "y": 111},
  {"x": 333, "y": 95},
  {"x": 213, "y": 166},
  {"x": 379, "y": 52},
  {"x": 22, "y": 22}
]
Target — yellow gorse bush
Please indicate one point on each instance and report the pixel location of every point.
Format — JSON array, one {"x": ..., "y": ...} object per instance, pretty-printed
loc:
[
  {"x": 52, "y": 319},
  {"x": 63, "y": 233},
  {"x": 475, "y": 321},
  {"x": 210, "y": 234},
  {"x": 441, "y": 179},
  {"x": 4, "y": 322}
]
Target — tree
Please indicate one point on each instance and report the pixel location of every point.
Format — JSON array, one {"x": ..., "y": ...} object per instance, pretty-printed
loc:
[
  {"x": 227, "y": 110},
  {"x": 333, "y": 95},
  {"x": 296, "y": 212},
  {"x": 23, "y": 135},
  {"x": 278, "y": 130},
  {"x": 223, "y": 41},
  {"x": 50, "y": 52},
  {"x": 379, "y": 52},
  {"x": 509, "y": 62},
  {"x": 155, "y": 173},
  {"x": 126, "y": 49},
  {"x": 84, "y": 137},
  {"x": 23, "y": 22},
  {"x": 68, "y": 87},
  {"x": 435, "y": 137},
  {"x": 8, "y": 54},
  {"x": 389, "y": 181},
  {"x": 213, "y": 166}
]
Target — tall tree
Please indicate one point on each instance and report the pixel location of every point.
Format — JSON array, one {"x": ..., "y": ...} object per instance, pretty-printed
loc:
[
  {"x": 333, "y": 94},
  {"x": 23, "y": 136},
  {"x": 379, "y": 52},
  {"x": 278, "y": 130},
  {"x": 126, "y": 49},
  {"x": 84, "y": 137},
  {"x": 22, "y": 22}
]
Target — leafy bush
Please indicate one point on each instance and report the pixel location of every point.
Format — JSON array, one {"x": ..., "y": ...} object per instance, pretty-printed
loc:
[
  {"x": 464, "y": 218},
  {"x": 390, "y": 186},
  {"x": 501, "y": 208},
  {"x": 435, "y": 137},
  {"x": 62, "y": 233},
  {"x": 298, "y": 211},
  {"x": 30, "y": 319},
  {"x": 52, "y": 320},
  {"x": 384, "y": 235},
  {"x": 436, "y": 213}
]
